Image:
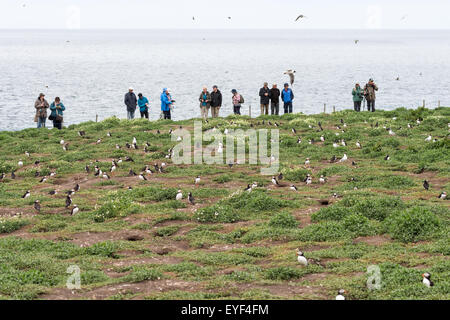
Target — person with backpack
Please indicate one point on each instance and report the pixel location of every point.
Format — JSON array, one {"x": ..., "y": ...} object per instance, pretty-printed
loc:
[
  {"x": 237, "y": 100},
  {"x": 357, "y": 93},
  {"x": 41, "y": 106},
  {"x": 166, "y": 103},
  {"x": 369, "y": 93},
  {"x": 143, "y": 106},
  {"x": 216, "y": 102},
  {"x": 264, "y": 94},
  {"x": 56, "y": 116},
  {"x": 205, "y": 102},
  {"x": 287, "y": 96}
]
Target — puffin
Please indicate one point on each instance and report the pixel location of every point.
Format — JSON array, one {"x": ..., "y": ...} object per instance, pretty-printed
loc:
[
  {"x": 248, "y": 189},
  {"x": 109, "y": 134},
  {"x": 131, "y": 173},
  {"x": 335, "y": 145},
  {"x": 179, "y": 195},
  {"x": 13, "y": 175},
  {"x": 333, "y": 159},
  {"x": 308, "y": 179},
  {"x": 75, "y": 210},
  {"x": 429, "y": 138},
  {"x": 191, "y": 198},
  {"x": 322, "y": 179},
  {"x": 106, "y": 176},
  {"x": 275, "y": 181},
  {"x": 299, "y": 140},
  {"x": 61, "y": 142},
  {"x": 387, "y": 158},
  {"x": 77, "y": 188},
  {"x": 53, "y": 192},
  {"x": 280, "y": 176},
  {"x": 293, "y": 188},
  {"x": 443, "y": 195},
  {"x": 294, "y": 131},
  {"x": 37, "y": 206},
  {"x": 26, "y": 195},
  {"x": 43, "y": 180},
  {"x": 20, "y": 163},
  {"x": 426, "y": 185},
  {"x": 307, "y": 161},
  {"x": 301, "y": 258},
  {"x": 68, "y": 201},
  {"x": 254, "y": 185},
  {"x": 142, "y": 177},
  {"x": 81, "y": 133},
  {"x": 134, "y": 140},
  {"x": 427, "y": 280},
  {"x": 340, "y": 295},
  {"x": 197, "y": 180},
  {"x": 99, "y": 141},
  {"x": 358, "y": 144}
]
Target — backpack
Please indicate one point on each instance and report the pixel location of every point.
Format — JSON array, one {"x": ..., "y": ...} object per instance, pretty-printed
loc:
[{"x": 242, "y": 99}]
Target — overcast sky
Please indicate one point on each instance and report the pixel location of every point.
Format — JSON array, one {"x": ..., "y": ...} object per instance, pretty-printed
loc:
[{"x": 322, "y": 14}]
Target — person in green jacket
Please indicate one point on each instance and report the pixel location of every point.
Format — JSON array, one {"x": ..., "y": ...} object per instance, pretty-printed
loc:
[{"x": 357, "y": 93}]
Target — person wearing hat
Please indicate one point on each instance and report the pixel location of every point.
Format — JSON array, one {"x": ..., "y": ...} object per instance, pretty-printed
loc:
[
  {"x": 287, "y": 96},
  {"x": 143, "y": 106},
  {"x": 369, "y": 93},
  {"x": 131, "y": 103},
  {"x": 166, "y": 103},
  {"x": 41, "y": 106},
  {"x": 216, "y": 102},
  {"x": 357, "y": 93},
  {"x": 274, "y": 95},
  {"x": 205, "y": 102},
  {"x": 264, "y": 94},
  {"x": 237, "y": 101}
]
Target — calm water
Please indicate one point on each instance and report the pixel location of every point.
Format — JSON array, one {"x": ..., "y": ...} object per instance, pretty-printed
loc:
[{"x": 93, "y": 71}]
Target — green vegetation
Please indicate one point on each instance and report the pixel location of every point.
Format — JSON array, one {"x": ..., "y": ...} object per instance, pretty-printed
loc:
[{"x": 132, "y": 239}]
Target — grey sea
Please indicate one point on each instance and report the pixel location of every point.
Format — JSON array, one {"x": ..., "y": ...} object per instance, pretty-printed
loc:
[{"x": 91, "y": 70}]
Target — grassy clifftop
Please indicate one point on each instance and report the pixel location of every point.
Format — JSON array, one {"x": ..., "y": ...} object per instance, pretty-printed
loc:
[{"x": 142, "y": 243}]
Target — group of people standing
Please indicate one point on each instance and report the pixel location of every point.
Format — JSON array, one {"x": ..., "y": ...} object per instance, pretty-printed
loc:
[
  {"x": 272, "y": 96},
  {"x": 57, "y": 109},
  {"x": 131, "y": 102},
  {"x": 367, "y": 93}
]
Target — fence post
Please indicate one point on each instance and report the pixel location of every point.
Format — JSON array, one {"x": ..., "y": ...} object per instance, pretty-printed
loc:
[
  {"x": 250, "y": 110},
  {"x": 334, "y": 109},
  {"x": 96, "y": 118},
  {"x": 439, "y": 103},
  {"x": 424, "y": 103},
  {"x": 324, "y": 108}
]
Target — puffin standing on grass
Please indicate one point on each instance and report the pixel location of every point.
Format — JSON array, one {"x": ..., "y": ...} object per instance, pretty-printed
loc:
[
  {"x": 293, "y": 188},
  {"x": 75, "y": 210},
  {"x": 301, "y": 258},
  {"x": 26, "y": 195},
  {"x": 340, "y": 295},
  {"x": 179, "y": 195},
  {"x": 427, "y": 280},
  {"x": 443, "y": 195},
  {"x": 191, "y": 198},
  {"x": 426, "y": 185},
  {"x": 37, "y": 206}
]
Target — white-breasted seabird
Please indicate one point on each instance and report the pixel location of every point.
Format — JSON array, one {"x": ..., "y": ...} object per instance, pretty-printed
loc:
[
  {"x": 179, "y": 195},
  {"x": 443, "y": 195},
  {"x": 293, "y": 188},
  {"x": 191, "y": 198},
  {"x": 427, "y": 280},
  {"x": 26, "y": 195},
  {"x": 37, "y": 206},
  {"x": 75, "y": 210},
  {"x": 340, "y": 295},
  {"x": 301, "y": 258}
]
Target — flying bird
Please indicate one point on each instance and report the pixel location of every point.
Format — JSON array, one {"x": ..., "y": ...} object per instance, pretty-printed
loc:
[
  {"x": 300, "y": 17},
  {"x": 291, "y": 75}
]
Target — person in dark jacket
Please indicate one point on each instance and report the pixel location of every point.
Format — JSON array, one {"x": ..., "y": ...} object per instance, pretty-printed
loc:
[
  {"x": 274, "y": 95},
  {"x": 57, "y": 108},
  {"x": 287, "y": 96},
  {"x": 369, "y": 93},
  {"x": 264, "y": 94},
  {"x": 41, "y": 106},
  {"x": 131, "y": 103},
  {"x": 216, "y": 102}
]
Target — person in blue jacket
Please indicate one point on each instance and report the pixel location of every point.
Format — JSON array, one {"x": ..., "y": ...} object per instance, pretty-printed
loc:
[
  {"x": 143, "y": 105},
  {"x": 166, "y": 103},
  {"x": 57, "y": 109},
  {"x": 287, "y": 96}
]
